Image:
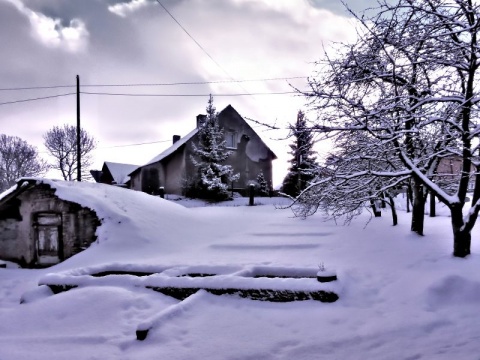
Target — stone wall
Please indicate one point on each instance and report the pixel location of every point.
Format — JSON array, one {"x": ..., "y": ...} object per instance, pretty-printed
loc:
[{"x": 17, "y": 236}]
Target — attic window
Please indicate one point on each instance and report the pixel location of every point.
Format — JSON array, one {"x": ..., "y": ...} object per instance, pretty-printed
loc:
[{"x": 231, "y": 139}]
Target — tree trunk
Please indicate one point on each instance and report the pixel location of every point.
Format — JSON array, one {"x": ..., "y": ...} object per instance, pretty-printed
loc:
[
  {"x": 462, "y": 236},
  {"x": 376, "y": 211},
  {"x": 461, "y": 242},
  {"x": 382, "y": 196},
  {"x": 394, "y": 211},
  {"x": 418, "y": 208}
]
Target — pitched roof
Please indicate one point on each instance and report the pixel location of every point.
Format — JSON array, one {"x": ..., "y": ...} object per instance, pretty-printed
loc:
[
  {"x": 120, "y": 172},
  {"x": 173, "y": 148}
]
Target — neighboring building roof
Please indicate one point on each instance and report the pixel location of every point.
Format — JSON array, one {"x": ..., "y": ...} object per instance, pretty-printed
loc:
[{"x": 120, "y": 172}]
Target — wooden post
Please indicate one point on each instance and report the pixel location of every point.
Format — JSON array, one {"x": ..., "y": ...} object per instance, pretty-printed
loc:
[
  {"x": 408, "y": 197},
  {"x": 251, "y": 193},
  {"x": 79, "y": 169},
  {"x": 161, "y": 192}
]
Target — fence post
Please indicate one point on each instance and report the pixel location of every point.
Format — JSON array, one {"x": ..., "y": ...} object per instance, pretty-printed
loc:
[
  {"x": 432, "y": 204},
  {"x": 161, "y": 192}
]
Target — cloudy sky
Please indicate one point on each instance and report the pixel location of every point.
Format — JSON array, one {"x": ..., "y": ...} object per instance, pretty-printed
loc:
[{"x": 46, "y": 43}]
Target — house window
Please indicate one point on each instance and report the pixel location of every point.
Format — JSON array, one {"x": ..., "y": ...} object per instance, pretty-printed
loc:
[{"x": 231, "y": 139}]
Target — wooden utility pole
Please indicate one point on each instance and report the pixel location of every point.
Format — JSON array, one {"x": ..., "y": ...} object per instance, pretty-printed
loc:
[{"x": 79, "y": 170}]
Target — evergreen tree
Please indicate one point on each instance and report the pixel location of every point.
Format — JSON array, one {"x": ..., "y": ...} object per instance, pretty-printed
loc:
[
  {"x": 303, "y": 162},
  {"x": 213, "y": 177},
  {"x": 263, "y": 188}
]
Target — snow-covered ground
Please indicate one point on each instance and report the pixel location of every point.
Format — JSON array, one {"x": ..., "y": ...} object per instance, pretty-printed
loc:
[{"x": 401, "y": 296}]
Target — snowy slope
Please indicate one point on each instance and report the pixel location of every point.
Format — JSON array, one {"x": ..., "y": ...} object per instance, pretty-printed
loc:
[{"x": 401, "y": 296}]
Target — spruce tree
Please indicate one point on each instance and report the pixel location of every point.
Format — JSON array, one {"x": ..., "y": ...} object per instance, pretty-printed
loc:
[
  {"x": 303, "y": 162},
  {"x": 213, "y": 177},
  {"x": 263, "y": 188}
]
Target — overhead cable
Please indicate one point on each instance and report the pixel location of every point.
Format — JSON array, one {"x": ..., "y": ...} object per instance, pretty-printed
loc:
[
  {"x": 188, "y": 95},
  {"x": 155, "y": 84},
  {"x": 34, "y": 99}
]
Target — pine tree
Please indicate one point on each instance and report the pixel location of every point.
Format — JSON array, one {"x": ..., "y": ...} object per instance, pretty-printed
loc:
[
  {"x": 208, "y": 157},
  {"x": 303, "y": 162},
  {"x": 263, "y": 188}
]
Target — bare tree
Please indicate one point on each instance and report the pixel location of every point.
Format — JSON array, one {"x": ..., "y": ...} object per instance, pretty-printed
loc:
[
  {"x": 61, "y": 143},
  {"x": 409, "y": 82},
  {"x": 18, "y": 159},
  {"x": 359, "y": 175}
]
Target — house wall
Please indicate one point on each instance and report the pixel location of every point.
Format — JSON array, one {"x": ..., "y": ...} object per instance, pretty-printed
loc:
[
  {"x": 136, "y": 180},
  {"x": 251, "y": 156},
  {"x": 175, "y": 174},
  {"x": 450, "y": 166},
  {"x": 17, "y": 236},
  {"x": 153, "y": 177}
]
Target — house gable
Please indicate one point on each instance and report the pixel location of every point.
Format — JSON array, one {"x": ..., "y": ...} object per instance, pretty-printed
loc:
[{"x": 230, "y": 119}]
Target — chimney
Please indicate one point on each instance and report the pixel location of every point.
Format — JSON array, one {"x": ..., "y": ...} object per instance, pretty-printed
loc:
[
  {"x": 200, "y": 120},
  {"x": 175, "y": 138}
]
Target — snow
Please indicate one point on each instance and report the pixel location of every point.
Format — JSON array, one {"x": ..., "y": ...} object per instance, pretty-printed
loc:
[
  {"x": 120, "y": 172},
  {"x": 402, "y": 296},
  {"x": 173, "y": 148}
]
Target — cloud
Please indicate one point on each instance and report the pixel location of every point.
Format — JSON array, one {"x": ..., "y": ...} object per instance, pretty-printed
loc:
[
  {"x": 339, "y": 8},
  {"x": 128, "y": 42},
  {"x": 124, "y": 9},
  {"x": 51, "y": 32}
]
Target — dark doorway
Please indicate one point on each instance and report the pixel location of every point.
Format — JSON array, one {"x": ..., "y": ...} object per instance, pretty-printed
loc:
[{"x": 48, "y": 238}]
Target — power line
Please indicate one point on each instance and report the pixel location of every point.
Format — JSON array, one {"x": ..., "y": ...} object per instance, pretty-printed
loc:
[
  {"x": 144, "y": 143},
  {"x": 37, "y": 87},
  {"x": 120, "y": 146},
  {"x": 197, "y": 82},
  {"x": 195, "y": 41},
  {"x": 149, "y": 95},
  {"x": 34, "y": 99},
  {"x": 156, "y": 84},
  {"x": 200, "y": 46},
  {"x": 188, "y": 95}
]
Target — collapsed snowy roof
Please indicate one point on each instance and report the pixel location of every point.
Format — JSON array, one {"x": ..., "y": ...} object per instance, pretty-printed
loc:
[
  {"x": 120, "y": 172},
  {"x": 134, "y": 225}
]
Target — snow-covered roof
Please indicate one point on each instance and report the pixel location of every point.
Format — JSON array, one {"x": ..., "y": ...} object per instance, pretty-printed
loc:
[
  {"x": 172, "y": 148},
  {"x": 120, "y": 172}
]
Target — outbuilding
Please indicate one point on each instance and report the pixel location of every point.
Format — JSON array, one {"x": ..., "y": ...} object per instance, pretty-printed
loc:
[{"x": 38, "y": 229}]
